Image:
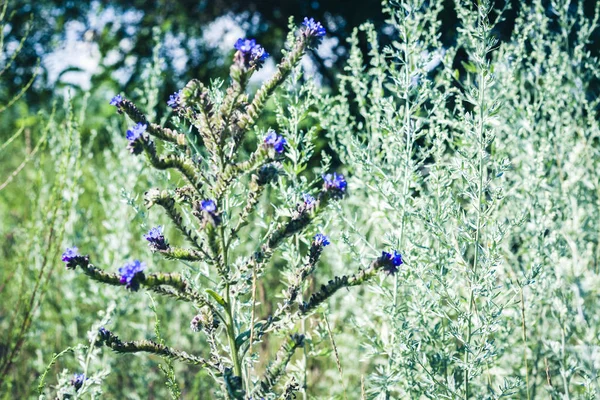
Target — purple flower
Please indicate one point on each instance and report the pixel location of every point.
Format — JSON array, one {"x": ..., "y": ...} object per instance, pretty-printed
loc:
[
  {"x": 116, "y": 101},
  {"x": 313, "y": 32},
  {"x": 131, "y": 273},
  {"x": 103, "y": 333},
  {"x": 391, "y": 261},
  {"x": 313, "y": 28},
  {"x": 335, "y": 182},
  {"x": 276, "y": 141},
  {"x": 77, "y": 381},
  {"x": 135, "y": 136},
  {"x": 209, "y": 206},
  {"x": 309, "y": 201},
  {"x": 252, "y": 54},
  {"x": 174, "y": 100},
  {"x": 70, "y": 254},
  {"x": 156, "y": 238},
  {"x": 136, "y": 132},
  {"x": 196, "y": 323},
  {"x": 246, "y": 46},
  {"x": 321, "y": 240},
  {"x": 259, "y": 54}
]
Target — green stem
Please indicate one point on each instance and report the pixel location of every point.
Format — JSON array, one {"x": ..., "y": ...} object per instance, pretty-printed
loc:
[
  {"x": 230, "y": 325},
  {"x": 480, "y": 151},
  {"x": 407, "y": 156},
  {"x": 524, "y": 328}
]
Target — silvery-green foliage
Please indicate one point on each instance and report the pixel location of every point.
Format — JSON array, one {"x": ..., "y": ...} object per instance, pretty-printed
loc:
[{"x": 481, "y": 169}]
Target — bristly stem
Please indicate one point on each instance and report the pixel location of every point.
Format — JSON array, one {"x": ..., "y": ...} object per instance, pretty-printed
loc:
[{"x": 229, "y": 308}]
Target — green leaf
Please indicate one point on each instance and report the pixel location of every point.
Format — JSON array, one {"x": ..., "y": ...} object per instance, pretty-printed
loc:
[
  {"x": 217, "y": 297},
  {"x": 469, "y": 67}
]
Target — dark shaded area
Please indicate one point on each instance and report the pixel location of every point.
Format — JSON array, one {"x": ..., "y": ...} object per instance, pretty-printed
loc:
[{"x": 265, "y": 20}]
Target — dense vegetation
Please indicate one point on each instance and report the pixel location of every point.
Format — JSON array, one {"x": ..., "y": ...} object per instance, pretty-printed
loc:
[{"x": 454, "y": 253}]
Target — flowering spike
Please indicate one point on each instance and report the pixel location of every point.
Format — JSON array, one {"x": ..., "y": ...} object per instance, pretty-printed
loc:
[{"x": 130, "y": 273}]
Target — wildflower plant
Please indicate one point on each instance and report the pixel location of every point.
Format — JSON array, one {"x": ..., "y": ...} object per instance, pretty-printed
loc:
[{"x": 216, "y": 208}]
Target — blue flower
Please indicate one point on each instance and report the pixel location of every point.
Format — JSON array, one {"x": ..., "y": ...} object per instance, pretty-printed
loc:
[
  {"x": 136, "y": 132},
  {"x": 309, "y": 201},
  {"x": 335, "y": 182},
  {"x": 130, "y": 274},
  {"x": 246, "y": 46},
  {"x": 70, "y": 254},
  {"x": 208, "y": 212},
  {"x": 103, "y": 333},
  {"x": 313, "y": 32},
  {"x": 313, "y": 28},
  {"x": 252, "y": 54},
  {"x": 77, "y": 381},
  {"x": 391, "y": 261},
  {"x": 258, "y": 54},
  {"x": 156, "y": 238},
  {"x": 174, "y": 100},
  {"x": 321, "y": 240},
  {"x": 276, "y": 141},
  {"x": 135, "y": 136},
  {"x": 116, "y": 101},
  {"x": 209, "y": 206}
]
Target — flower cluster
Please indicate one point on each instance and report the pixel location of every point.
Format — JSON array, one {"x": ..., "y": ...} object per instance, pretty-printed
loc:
[
  {"x": 156, "y": 238},
  {"x": 135, "y": 136},
  {"x": 72, "y": 258},
  {"x": 174, "y": 100},
  {"x": 103, "y": 333},
  {"x": 209, "y": 209},
  {"x": 252, "y": 54},
  {"x": 77, "y": 381},
  {"x": 70, "y": 254},
  {"x": 313, "y": 31},
  {"x": 336, "y": 184},
  {"x": 309, "y": 201},
  {"x": 277, "y": 142},
  {"x": 116, "y": 100},
  {"x": 321, "y": 240},
  {"x": 196, "y": 323},
  {"x": 131, "y": 273},
  {"x": 391, "y": 261}
]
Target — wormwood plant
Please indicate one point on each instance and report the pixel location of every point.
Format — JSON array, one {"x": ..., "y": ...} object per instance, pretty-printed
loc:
[
  {"x": 214, "y": 209},
  {"x": 479, "y": 160}
]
